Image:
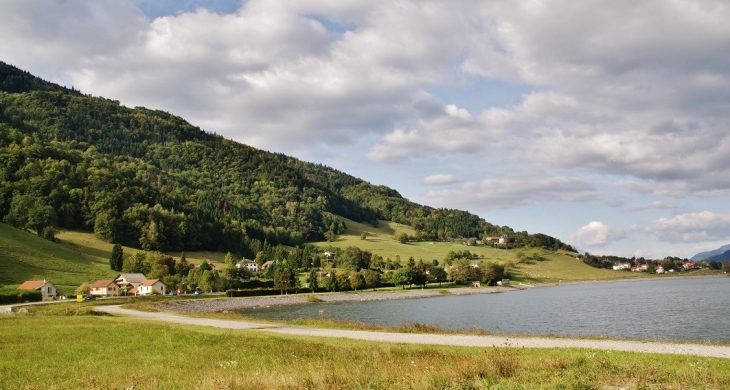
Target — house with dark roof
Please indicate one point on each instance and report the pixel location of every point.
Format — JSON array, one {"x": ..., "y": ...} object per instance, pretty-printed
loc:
[{"x": 48, "y": 290}]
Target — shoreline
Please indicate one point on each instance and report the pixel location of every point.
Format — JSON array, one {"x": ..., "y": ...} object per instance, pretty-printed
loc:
[
  {"x": 242, "y": 303},
  {"x": 225, "y": 304}
]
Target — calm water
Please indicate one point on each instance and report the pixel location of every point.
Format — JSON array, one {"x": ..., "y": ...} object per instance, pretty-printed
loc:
[{"x": 668, "y": 309}]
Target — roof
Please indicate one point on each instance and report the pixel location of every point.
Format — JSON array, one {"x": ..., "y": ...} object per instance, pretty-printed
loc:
[
  {"x": 102, "y": 283},
  {"x": 150, "y": 282},
  {"x": 32, "y": 284},
  {"x": 132, "y": 278}
]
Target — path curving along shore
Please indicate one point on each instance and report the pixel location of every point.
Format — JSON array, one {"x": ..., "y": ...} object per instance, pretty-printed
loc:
[{"x": 432, "y": 339}]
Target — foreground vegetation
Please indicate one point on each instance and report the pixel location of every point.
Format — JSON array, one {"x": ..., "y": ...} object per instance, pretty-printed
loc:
[{"x": 100, "y": 352}]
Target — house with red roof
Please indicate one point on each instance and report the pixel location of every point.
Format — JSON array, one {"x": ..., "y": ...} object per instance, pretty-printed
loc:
[
  {"x": 105, "y": 288},
  {"x": 148, "y": 287},
  {"x": 48, "y": 290}
]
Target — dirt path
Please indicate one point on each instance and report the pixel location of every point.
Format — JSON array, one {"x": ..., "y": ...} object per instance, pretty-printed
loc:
[{"x": 433, "y": 339}]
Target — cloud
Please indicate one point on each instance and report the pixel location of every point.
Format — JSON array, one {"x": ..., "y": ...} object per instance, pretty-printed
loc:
[
  {"x": 596, "y": 235},
  {"x": 656, "y": 206},
  {"x": 510, "y": 190},
  {"x": 691, "y": 228},
  {"x": 440, "y": 179}
]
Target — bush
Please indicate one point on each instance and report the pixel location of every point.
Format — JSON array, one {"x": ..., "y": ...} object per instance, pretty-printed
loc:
[{"x": 21, "y": 297}]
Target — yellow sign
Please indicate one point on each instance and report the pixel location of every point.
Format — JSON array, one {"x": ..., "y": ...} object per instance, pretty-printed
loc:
[{"x": 79, "y": 298}]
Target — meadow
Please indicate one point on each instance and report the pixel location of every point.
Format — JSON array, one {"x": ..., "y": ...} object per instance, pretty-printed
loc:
[{"x": 100, "y": 352}]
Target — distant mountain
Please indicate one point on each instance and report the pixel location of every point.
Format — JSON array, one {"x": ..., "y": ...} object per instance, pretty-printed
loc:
[
  {"x": 725, "y": 256},
  {"x": 148, "y": 179},
  {"x": 706, "y": 255}
]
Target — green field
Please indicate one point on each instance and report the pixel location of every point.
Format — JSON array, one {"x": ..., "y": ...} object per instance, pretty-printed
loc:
[
  {"x": 25, "y": 256},
  {"x": 553, "y": 266},
  {"x": 101, "y": 352}
]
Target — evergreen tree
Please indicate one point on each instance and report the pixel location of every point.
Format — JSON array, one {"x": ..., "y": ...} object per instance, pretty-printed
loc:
[{"x": 116, "y": 260}]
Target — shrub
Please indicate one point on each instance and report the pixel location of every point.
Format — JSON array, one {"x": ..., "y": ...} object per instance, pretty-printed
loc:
[{"x": 20, "y": 297}]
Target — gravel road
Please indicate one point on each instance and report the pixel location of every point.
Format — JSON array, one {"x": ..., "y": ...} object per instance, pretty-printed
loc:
[{"x": 432, "y": 339}]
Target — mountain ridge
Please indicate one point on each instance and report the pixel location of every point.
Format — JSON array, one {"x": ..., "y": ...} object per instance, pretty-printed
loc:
[{"x": 706, "y": 255}]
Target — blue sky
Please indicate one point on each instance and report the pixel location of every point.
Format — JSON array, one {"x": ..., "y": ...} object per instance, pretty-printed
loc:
[{"x": 603, "y": 124}]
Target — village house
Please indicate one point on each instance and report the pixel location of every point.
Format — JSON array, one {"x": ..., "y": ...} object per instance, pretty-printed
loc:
[
  {"x": 104, "y": 288},
  {"x": 48, "y": 290},
  {"x": 250, "y": 265},
  {"x": 129, "y": 281},
  {"x": 267, "y": 264},
  {"x": 148, "y": 287},
  {"x": 640, "y": 268},
  {"x": 621, "y": 266}
]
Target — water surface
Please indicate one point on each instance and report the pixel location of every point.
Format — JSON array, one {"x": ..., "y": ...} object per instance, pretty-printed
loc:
[{"x": 691, "y": 309}]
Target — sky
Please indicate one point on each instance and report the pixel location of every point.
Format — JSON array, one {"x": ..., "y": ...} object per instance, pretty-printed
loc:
[{"x": 604, "y": 124}]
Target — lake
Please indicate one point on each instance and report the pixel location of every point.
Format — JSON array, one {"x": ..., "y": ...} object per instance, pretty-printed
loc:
[{"x": 686, "y": 309}]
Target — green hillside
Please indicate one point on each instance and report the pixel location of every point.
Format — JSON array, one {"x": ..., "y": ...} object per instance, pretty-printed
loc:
[
  {"x": 148, "y": 179},
  {"x": 25, "y": 256}
]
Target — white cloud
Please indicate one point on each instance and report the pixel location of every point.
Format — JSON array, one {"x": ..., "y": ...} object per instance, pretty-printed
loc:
[
  {"x": 440, "y": 179},
  {"x": 596, "y": 235},
  {"x": 510, "y": 190},
  {"x": 692, "y": 228},
  {"x": 634, "y": 94}
]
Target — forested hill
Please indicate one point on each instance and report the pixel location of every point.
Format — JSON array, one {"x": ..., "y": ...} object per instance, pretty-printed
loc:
[{"x": 149, "y": 179}]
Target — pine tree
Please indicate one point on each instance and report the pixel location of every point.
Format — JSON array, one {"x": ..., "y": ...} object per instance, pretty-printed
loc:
[{"x": 116, "y": 260}]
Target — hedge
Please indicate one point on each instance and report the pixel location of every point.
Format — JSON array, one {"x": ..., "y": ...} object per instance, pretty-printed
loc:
[{"x": 21, "y": 297}]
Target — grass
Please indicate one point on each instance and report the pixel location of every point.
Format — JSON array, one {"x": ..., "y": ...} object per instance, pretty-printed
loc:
[
  {"x": 25, "y": 256},
  {"x": 553, "y": 266},
  {"x": 100, "y": 352}
]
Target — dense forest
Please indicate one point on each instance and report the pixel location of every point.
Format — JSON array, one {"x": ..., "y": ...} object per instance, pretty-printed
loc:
[{"x": 148, "y": 179}]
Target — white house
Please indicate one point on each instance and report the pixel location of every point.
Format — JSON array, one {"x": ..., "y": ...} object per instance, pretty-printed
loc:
[
  {"x": 250, "y": 265},
  {"x": 151, "y": 286},
  {"x": 107, "y": 288},
  {"x": 48, "y": 290},
  {"x": 621, "y": 266},
  {"x": 129, "y": 280}
]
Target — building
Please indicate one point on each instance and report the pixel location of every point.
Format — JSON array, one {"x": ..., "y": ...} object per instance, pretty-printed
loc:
[
  {"x": 149, "y": 287},
  {"x": 129, "y": 281},
  {"x": 250, "y": 265},
  {"x": 104, "y": 288},
  {"x": 48, "y": 290}
]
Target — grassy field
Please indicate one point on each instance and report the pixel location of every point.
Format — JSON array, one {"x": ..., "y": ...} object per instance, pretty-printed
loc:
[
  {"x": 25, "y": 256},
  {"x": 553, "y": 266},
  {"x": 101, "y": 352}
]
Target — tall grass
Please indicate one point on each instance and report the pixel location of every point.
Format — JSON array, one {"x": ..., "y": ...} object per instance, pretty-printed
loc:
[{"x": 99, "y": 352}]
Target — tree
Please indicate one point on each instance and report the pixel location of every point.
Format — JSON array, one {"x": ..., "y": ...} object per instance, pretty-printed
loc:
[
  {"x": 205, "y": 266},
  {"x": 401, "y": 237},
  {"x": 356, "y": 280},
  {"x": 117, "y": 258},
  {"x": 459, "y": 272},
  {"x": 282, "y": 279},
  {"x": 401, "y": 277},
  {"x": 726, "y": 266},
  {"x": 438, "y": 274},
  {"x": 418, "y": 274},
  {"x": 371, "y": 278},
  {"x": 312, "y": 280}
]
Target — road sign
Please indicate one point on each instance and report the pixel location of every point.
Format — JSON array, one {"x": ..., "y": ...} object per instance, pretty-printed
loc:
[{"x": 79, "y": 298}]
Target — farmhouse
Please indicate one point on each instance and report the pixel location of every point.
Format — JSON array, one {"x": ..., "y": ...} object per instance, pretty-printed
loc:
[
  {"x": 129, "y": 280},
  {"x": 47, "y": 289},
  {"x": 148, "y": 287},
  {"x": 250, "y": 265},
  {"x": 105, "y": 288}
]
